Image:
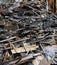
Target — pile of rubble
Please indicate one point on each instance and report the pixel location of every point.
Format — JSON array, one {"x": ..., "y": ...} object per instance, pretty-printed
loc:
[{"x": 28, "y": 34}]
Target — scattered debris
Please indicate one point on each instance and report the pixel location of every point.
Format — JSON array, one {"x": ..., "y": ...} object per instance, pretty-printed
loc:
[{"x": 27, "y": 33}]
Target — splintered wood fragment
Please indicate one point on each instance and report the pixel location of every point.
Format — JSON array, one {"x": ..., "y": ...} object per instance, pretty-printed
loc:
[
  {"x": 26, "y": 49},
  {"x": 19, "y": 50},
  {"x": 20, "y": 40},
  {"x": 5, "y": 56},
  {"x": 7, "y": 39},
  {"x": 30, "y": 47},
  {"x": 12, "y": 45}
]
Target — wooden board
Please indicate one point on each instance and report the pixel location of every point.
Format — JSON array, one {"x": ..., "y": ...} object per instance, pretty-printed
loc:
[{"x": 27, "y": 48}]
